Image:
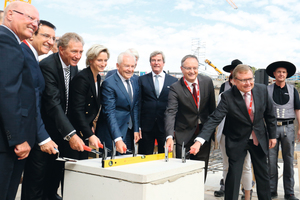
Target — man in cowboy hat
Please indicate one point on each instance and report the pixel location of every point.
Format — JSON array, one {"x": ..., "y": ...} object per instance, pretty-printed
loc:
[
  {"x": 286, "y": 106},
  {"x": 229, "y": 68}
]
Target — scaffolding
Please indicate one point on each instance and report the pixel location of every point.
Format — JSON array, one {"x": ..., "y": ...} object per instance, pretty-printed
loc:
[{"x": 199, "y": 50}]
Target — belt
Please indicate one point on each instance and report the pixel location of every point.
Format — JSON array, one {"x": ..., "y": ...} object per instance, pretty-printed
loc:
[{"x": 282, "y": 123}]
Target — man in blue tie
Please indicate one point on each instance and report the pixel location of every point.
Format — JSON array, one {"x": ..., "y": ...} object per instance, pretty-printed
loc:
[
  {"x": 118, "y": 120},
  {"x": 154, "y": 91}
]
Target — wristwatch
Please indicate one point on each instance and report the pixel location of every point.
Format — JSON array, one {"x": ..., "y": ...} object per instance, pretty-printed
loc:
[{"x": 68, "y": 137}]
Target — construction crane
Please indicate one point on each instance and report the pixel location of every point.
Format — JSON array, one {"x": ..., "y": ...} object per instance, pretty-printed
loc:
[
  {"x": 232, "y": 4},
  {"x": 209, "y": 63},
  {"x": 9, "y": 1}
]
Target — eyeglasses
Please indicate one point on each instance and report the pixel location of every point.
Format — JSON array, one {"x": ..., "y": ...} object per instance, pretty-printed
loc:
[
  {"x": 246, "y": 80},
  {"x": 28, "y": 17},
  {"x": 48, "y": 37},
  {"x": 190, "y": 68}
]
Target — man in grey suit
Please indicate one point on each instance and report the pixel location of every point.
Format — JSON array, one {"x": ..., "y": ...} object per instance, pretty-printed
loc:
[
  {"x": 191, "y": 100},
  {"x": 250, "y": 125}
]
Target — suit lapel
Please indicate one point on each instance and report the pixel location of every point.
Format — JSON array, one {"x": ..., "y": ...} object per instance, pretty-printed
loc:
[
  {"x": 122, "y": 87},
  {"x": 166, "y": 83},
  {"x": 202, "y": 89},
  {"x": 151, "y": 84},
  {"x": 256, "y": 103},
  {"x": 92, "y": 83},
  {"x": 240, "y": 102},
  {"x": 188, "y": 94}
]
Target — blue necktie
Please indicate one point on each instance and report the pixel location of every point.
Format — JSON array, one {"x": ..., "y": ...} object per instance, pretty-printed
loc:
[
  {"x": 156, "y": 85},
  {"x": 130, "y": 96}
]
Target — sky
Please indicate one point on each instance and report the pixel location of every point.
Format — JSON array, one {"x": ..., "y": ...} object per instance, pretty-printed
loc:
[{"x": 257, "y": 32}]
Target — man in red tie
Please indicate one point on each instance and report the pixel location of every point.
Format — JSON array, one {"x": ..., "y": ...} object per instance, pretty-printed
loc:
[
  {"x": 247, "y": 128},
  {"x": 191, "y": 100}
]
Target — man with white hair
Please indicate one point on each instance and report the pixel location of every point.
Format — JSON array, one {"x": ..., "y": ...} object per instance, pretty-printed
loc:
[
  {"x": 118, "y": 120},
  {"x": 17, "y": 102}
]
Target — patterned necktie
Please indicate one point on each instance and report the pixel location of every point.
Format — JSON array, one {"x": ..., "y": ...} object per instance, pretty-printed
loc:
[
  {"x": 156, "y": 85},
  {"x": 130, "y": 96},
  {"x": 67, "y": 81},
  {"x": 246, "y": 98}
]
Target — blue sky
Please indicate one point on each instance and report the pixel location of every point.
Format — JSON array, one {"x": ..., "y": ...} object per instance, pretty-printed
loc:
[{"x": 258, "y": 32}]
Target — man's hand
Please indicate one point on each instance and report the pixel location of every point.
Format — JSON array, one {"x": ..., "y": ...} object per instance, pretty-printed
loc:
[
  {"x": 170, "y": 144},
  {"x": 137, "y": 136},
  {"x": 76, "y": 143},
  {"x": 120, "y": 146},
  {"x": 49, "y": 147},
  {"x": 94, "y": 141},
  {"x": 22, "y": 150},
  {"x": 195, "y": 147},
  {"x": 272, "y": 143}
]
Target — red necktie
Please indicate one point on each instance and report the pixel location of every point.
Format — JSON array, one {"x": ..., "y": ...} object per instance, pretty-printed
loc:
[
  {"x": 195, "y": 92},
  {"x": 255, "y": 140}
]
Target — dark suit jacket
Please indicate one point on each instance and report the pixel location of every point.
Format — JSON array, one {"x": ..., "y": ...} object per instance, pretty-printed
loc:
[
  {"x": 182, "y": 114},
  {"x": 238, "y": 125},
  {"x": 152, "y": 108},
  {"x": 84, "y": 103},
  {"x": 116, "y": 109},
  {"x": 54, "y": 99},
  {"x": 17, "y": 100},
  {"x": 39, "y": 86}
]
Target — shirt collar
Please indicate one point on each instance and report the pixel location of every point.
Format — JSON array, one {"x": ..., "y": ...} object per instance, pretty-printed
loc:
[
  {"x": 161, "y": 74},
  {"x": 121, "y": 77},
  {"x": 35, "y": 53},
  {"x": 64, "y": 66},
  {"x": 191, "y": 83},
  {"x": 277, "y": 86},
  {"x": 243, "y": 93},
  {"x": 19, "y": 41}
]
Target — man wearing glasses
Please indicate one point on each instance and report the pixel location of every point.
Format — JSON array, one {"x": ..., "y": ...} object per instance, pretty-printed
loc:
[
  {"x": 39, "y": 44},
  {"x": 17, "y": 102},
  {"x": 287, "y": 106},
  {"x": 250, "y": 125},
  {"x": 191, "y": 100}
]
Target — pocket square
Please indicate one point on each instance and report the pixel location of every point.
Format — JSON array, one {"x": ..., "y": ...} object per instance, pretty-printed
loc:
[{"x": 168, "y": 86}]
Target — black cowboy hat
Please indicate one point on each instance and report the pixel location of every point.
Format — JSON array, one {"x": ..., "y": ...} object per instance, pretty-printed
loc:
[
  {"x": 234, "y": 63},
  {"x": 290, "y": 68}
]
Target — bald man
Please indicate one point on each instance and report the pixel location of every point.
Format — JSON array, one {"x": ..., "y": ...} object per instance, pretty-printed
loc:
[{"x": 17, "y": 102}]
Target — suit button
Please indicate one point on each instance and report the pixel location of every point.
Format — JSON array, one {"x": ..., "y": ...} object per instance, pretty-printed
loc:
[
  {"x": 92, "y": 96},
  {"x": 86, "y": 112},
  {"x": 89, "y": 104}
]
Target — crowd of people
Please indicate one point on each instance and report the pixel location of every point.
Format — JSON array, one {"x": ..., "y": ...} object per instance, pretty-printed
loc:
[{"x": 49, "y": 106}]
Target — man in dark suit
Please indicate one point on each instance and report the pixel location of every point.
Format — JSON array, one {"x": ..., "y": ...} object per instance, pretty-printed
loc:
[
  {"x": 154, "y": 91},
  {"x": 17, "y": 102},
  {"x": 191, "y": 100},
  {"x": 40, "y": 43},
  {"x": 58, "y": 69},
  {"x": 247, "y": 107},
  {"x": 118, "y": 120}
]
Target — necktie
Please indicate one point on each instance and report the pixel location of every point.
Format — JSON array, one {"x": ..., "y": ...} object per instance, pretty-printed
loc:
[
  {"x": 195, "y": 92},
  {"x": 130, "y": 96},
  {"x": 67, "y": 81},
  {"x": 129, "y": 90},
  {"x": 246, "y": 98},
  {"x": 156, "y": 85}
]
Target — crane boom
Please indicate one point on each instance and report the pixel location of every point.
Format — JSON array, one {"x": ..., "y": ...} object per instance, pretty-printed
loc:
[{"x": 209, "y": 63}]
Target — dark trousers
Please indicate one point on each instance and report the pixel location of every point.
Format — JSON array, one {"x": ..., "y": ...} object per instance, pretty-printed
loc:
[
  {"x": 10, "y": 174},
  {"x": 34, "y": 175},
  {"x": 146, "y": 144},
  {"x": 260, "y": 166},
  {"x": 129, "y": 139}
]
